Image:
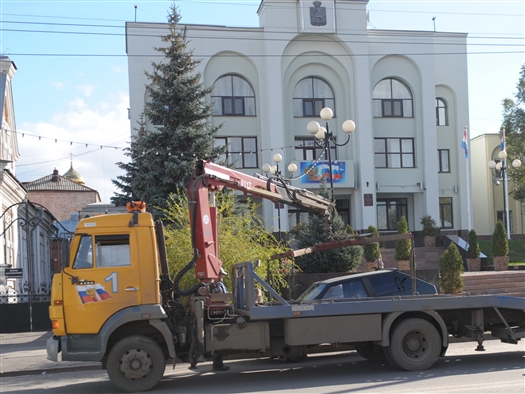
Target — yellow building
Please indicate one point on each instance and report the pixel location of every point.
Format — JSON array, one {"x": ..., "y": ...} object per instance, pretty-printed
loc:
[{"x": 488, "y": 192}]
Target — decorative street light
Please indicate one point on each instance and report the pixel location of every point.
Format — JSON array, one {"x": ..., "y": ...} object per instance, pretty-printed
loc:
[
  {"x": 276, "y": 172},
  {"x": 323, "y": 137},
  {"x": 499, "y": 172}
]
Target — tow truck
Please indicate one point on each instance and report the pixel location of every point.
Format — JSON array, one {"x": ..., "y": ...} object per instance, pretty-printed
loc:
[{"x": 115, "y": 302}]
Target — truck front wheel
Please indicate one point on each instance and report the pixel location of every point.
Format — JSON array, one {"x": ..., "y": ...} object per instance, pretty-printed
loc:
[
  {"x": 136, "y": 363},
  {"x": 415, "y": 345}
]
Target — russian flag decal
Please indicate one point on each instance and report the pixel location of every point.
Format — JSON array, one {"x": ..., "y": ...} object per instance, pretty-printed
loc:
[{"x": 92, "y": 293}]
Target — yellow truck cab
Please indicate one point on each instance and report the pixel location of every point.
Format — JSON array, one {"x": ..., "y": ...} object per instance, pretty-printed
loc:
[{"x": 109, "y": 285}]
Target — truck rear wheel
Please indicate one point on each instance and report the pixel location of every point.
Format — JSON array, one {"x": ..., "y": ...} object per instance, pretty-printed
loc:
[
  {"x": 136, "y": 363},
  {"x": 415, "y": 345}
]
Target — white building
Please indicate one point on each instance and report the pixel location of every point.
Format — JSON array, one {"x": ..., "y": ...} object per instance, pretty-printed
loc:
[{"x": 406, "y": 91}]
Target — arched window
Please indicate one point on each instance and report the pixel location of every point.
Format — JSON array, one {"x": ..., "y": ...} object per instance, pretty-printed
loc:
[
  {"x": 310, "y": 96},
  {"x": 392, "y": 99},
  {"x": 233, "y": 96},
  {"x": 441, "y": 112}
]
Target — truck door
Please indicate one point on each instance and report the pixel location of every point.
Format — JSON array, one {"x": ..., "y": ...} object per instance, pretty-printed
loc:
[{"x": 103, "y": 279}]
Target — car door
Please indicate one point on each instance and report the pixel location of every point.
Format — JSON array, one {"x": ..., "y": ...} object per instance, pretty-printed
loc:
[{"x": 103, "y": 279}]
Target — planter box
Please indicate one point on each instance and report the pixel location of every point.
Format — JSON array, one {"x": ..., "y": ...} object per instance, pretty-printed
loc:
[
  {"x": 474, "y": 264},
  {"x": 501, "y": 263},
  {"x": 430, "y": 242},
  {"x": 403, "y": 265}
]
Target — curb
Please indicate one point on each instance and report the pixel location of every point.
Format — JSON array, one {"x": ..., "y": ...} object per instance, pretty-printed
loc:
[{"x": 49, "y": 370}]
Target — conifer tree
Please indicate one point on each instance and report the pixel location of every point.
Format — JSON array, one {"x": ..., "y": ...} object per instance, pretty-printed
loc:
[
  {"x": 163, "y": 156},
  {"x": 450, "y": 270},
  {"x": 312, "y": 233}
]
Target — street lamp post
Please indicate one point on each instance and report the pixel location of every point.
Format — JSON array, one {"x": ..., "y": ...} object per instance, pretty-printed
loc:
[
  {"x": 323, "y": 137},
  {"x": 499, "y": 172},
  {"x": 276, "y": 172}
]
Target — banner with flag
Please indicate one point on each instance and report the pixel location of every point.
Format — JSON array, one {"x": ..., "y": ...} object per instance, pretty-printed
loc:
[
  {"x": 464, "y": 143},
  {"x": 502, "y": 144},
  {"x": 92, "y": 293}
]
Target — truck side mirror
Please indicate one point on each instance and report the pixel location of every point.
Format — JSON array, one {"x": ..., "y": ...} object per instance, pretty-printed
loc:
[{"x": 64, "y": 252}]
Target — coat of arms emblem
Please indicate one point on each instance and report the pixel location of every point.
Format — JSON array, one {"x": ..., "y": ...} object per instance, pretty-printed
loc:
[{"x": 318, "y": 14}]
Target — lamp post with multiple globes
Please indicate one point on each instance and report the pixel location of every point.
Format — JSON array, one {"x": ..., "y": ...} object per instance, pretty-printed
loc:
[
  {"x": 499, "y": 173},
  {"x": 324, "y": 138}
]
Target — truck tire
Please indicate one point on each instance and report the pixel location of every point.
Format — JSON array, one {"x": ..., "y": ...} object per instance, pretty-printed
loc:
[
  {"x": 415, "y": 345},
  {"x": 371, "y": 352},
  {"x": 136, "y": 363}
]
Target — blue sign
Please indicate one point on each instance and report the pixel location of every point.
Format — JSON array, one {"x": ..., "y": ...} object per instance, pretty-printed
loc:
[{"x": 315, "y": 171}]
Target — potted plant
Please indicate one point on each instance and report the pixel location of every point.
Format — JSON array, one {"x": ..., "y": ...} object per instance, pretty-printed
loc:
[
  {"x": 473, "y": 252},
  {"x": 430, "y": 231},
  {"x": 403, "y": 246},
  {"x": 372, "y": 251},
  {"x": 450, "y": 270},
  {"x": 500, "y": 247}
]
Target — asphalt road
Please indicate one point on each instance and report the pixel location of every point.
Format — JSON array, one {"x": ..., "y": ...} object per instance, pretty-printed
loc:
[{"x": 500, "y": 369}]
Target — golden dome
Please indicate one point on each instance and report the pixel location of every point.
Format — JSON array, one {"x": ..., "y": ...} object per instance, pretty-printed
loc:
[{"x": 74, "y": 176}]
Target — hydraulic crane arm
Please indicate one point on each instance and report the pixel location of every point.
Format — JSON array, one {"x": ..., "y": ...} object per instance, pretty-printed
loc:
[{"x": 208, "y": 177}]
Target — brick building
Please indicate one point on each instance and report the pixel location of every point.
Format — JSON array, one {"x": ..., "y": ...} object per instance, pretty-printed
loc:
[{"x": 62, "y": 194}]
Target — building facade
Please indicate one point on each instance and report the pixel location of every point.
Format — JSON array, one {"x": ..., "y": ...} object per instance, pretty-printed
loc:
[
  {"x": 25, "y": 228},
  {"x": 62, "y": 194},
  {"x": 406, "y": 91},
  {"x": 488, "y": 191}
]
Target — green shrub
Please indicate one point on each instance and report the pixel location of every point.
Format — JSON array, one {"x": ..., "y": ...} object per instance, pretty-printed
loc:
[
  {"x": 372, "y": 252},
  {"x": 430, "y": 228},
  {"x": 403, "y": 246},
  {"x": 500, "y": 243},
  {"x": 473, "y": 245},
  {"x": 450, "y": 270}
]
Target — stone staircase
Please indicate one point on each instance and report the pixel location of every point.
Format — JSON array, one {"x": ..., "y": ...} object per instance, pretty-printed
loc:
[{"x": 511, "y": 283}]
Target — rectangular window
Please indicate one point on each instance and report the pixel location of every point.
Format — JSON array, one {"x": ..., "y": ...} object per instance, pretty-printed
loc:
[
  {"x": 296, "y": 216},
  {"x": 112, "y": 250},
  {"x": 445, "y": 212},
  {"x": 389, "y": 212},
  {"x": 240, "y": 151},
  {"x": 394, "y": 153},
  {"x": 312, "y": 107},
  {"x": 307, "y": 150},
  {"x": 444, "y": 160},
  {"x": 392, "y": 108},
  {"x": 233, "y": 106}
]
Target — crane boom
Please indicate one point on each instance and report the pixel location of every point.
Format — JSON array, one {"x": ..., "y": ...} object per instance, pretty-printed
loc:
[{"x": 209, "y": 177}]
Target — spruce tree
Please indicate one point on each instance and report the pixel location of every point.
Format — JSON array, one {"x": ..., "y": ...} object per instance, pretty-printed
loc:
[
  {"x": 312, "y": 233},
  {"x": 163, "y": 156}
]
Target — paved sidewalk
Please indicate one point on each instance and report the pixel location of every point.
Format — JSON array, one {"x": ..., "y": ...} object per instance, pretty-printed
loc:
[{"x": 25, "y": 354}]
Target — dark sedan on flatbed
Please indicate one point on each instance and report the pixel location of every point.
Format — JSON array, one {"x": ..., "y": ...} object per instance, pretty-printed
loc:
[{"x": 381, "y": 283}]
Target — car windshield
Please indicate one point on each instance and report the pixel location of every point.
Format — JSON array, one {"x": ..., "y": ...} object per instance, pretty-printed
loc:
[{"x": 312, "y": 292}]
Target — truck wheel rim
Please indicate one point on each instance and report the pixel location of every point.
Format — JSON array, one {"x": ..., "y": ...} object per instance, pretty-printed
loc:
[
  {"x": 415, "y": 345},
  {"x": 136, "y": 364}
]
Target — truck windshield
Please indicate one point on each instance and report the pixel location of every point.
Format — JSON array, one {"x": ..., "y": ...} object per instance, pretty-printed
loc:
[{"x": 312, "y": 292}]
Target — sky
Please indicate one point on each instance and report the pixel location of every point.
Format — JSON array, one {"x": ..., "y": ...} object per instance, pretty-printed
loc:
[{"x": 71, "y": 85}]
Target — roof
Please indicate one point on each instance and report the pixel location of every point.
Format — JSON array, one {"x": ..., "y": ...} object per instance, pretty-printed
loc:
[{"x": 55, "y": 182}]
